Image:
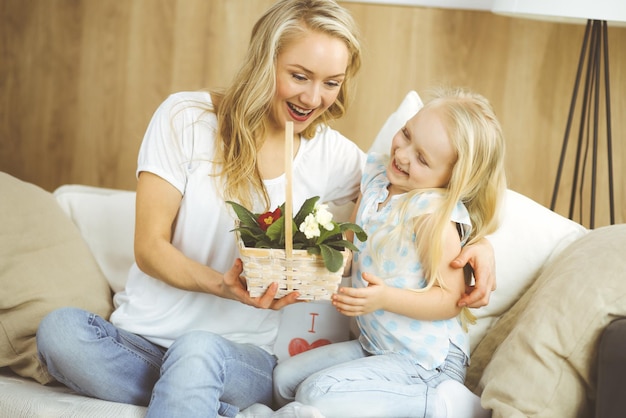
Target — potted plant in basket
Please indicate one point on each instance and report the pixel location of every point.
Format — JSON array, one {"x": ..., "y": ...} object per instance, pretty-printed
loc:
[{"x": 314, "y": 231}]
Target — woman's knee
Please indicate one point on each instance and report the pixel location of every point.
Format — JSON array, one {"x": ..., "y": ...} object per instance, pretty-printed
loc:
[
  {"x": 198, "y": 343},
  {"x": 56, "y": 329},
  {"x": 58, "y": 338},
  {"x": 199, "y": 349}
]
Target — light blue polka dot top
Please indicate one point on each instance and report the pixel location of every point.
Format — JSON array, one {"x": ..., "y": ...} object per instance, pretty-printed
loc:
[{"x": 385, "y": 332}]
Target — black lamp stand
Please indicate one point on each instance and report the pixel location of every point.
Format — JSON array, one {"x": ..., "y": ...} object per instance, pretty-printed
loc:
[{"x": 596, "y": 37}]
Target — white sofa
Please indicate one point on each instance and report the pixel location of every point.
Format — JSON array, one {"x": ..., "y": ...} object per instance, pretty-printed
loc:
[{"x": 533, "y": 347}]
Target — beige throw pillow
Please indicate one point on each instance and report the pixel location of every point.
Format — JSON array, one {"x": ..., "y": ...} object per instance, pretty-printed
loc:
[
  {"x": 544, "y": 364},
  {"x": 44, "y": 265}
]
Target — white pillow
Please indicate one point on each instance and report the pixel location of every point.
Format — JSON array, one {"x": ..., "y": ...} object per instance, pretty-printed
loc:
[
  {"x": 106, "y": 220},
  {"x": 409, "y": 107},
  {"x": 530, "y": 234},
  {"x": 308, "y": 325}
]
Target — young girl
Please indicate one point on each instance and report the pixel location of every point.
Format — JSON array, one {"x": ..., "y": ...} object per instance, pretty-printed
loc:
[{"x": 439, "y": 189}]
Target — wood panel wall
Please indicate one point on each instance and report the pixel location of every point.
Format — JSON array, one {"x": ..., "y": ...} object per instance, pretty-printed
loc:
[{"x": 79, "y": 80}]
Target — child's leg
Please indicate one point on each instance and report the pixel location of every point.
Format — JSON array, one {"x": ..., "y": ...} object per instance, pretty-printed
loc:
[
  {"x": 289, "y": 373},
  {"x": 385, "y": 385},
  {"x": 390, "y": 385},
  {"x": 459, "y": 402}
]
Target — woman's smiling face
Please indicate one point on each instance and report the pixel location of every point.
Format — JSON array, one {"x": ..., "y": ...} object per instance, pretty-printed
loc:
[{"x": 309, "y": 74}]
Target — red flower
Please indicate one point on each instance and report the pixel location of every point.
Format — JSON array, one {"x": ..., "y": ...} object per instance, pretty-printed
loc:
[{"x": 268, "y": 218}]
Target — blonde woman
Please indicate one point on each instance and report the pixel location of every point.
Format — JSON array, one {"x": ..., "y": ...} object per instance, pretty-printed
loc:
[
  {"x": 439, "y": 190},
  {"x": 186, "y": 338}
]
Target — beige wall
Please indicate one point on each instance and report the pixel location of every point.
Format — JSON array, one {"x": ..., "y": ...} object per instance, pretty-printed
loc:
[{"x": 79, "y": 80}]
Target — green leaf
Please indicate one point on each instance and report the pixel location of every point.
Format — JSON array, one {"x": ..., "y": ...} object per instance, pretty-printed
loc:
[
  {"x": 358, "y": 231},
  {"x": 333, "y": 259},
  {"x": 306, "y": 208},
  {"x": 313, "y": 250},
  {"x": 342, "y": 244},
  {"x": 326, "y": 234},
  {"x": 247, "y": 234},
  {"x": 246, "y": 217}
]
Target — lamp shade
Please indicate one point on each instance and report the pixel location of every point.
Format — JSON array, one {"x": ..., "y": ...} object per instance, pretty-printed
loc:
[{"x": 564, "y": 10}]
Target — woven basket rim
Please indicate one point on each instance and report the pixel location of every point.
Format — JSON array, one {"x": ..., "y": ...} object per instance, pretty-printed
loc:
[{"x": 278, "y": 263}]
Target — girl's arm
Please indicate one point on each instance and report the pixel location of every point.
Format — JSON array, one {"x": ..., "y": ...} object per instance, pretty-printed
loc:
[
  {"x": 434, "y": 304},
  {"x": 157, "y": 205}
]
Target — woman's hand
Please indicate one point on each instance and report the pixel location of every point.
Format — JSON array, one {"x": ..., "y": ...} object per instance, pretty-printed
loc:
[
  {"x": 482, "y": 260},
  {"x": 234, "y": 287}
]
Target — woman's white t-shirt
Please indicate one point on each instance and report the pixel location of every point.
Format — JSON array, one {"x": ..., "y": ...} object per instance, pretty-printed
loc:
[{"x": 179, "y": 146}]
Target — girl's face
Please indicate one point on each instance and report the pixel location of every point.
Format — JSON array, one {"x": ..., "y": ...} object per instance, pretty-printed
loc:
[
  {"x": 309, "y": 74},
  {"x": 422, "y": 155}
]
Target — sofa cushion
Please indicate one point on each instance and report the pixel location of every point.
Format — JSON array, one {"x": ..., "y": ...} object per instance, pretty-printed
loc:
[
  {"x": 529, "y": 235},
  {"x": 106, "y": 220},
  {"x": 44, "y": 265},
  {"x": 26, "y": 398},
  {"x": 545, "y": 346}
]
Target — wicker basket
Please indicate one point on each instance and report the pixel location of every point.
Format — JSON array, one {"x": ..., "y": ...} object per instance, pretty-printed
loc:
[{"x": 303, "y": 272}]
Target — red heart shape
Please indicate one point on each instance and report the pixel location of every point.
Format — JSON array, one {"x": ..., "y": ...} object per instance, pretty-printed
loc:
[{"x": 300, "y": 345}]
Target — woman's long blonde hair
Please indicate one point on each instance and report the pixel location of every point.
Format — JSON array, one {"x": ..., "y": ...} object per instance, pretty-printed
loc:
[
  {"x": 478, "y": 179},
  {"x": 243, "y": 108}
]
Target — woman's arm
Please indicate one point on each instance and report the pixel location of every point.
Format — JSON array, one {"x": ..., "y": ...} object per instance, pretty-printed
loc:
[
  {"x": 434, "y": 304},
  {"x": 157, "y": 205}
]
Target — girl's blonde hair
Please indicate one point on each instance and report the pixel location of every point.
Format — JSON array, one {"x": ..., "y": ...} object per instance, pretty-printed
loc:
[
  {"x": 243, "y": 108},
  {"x": 478, "y": 180}
]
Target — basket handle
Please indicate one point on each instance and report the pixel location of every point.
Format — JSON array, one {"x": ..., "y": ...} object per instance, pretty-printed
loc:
[{"x": 288, "y": 190}]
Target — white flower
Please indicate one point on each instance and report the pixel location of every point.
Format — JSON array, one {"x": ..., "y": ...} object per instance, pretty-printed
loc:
[
  {"x": 324, "y": 217},
  {"x": 310, "y": 227}
]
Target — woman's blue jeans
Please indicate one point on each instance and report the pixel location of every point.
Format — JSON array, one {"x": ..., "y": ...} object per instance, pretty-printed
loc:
[
  {"x": 201, "y": 375},
  {"x": 343, "y": 380}
]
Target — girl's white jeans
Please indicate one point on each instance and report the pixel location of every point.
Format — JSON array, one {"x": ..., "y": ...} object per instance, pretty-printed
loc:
[{"x": 343, "y": 380}]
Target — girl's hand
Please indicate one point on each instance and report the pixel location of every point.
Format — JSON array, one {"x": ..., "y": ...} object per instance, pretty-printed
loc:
[
  {"x": 234, "y": 287},
  {"x": 352, "y": 301}
]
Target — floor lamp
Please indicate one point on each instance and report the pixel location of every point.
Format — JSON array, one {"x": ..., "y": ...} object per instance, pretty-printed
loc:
[{"x": 594, "y": 65}]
